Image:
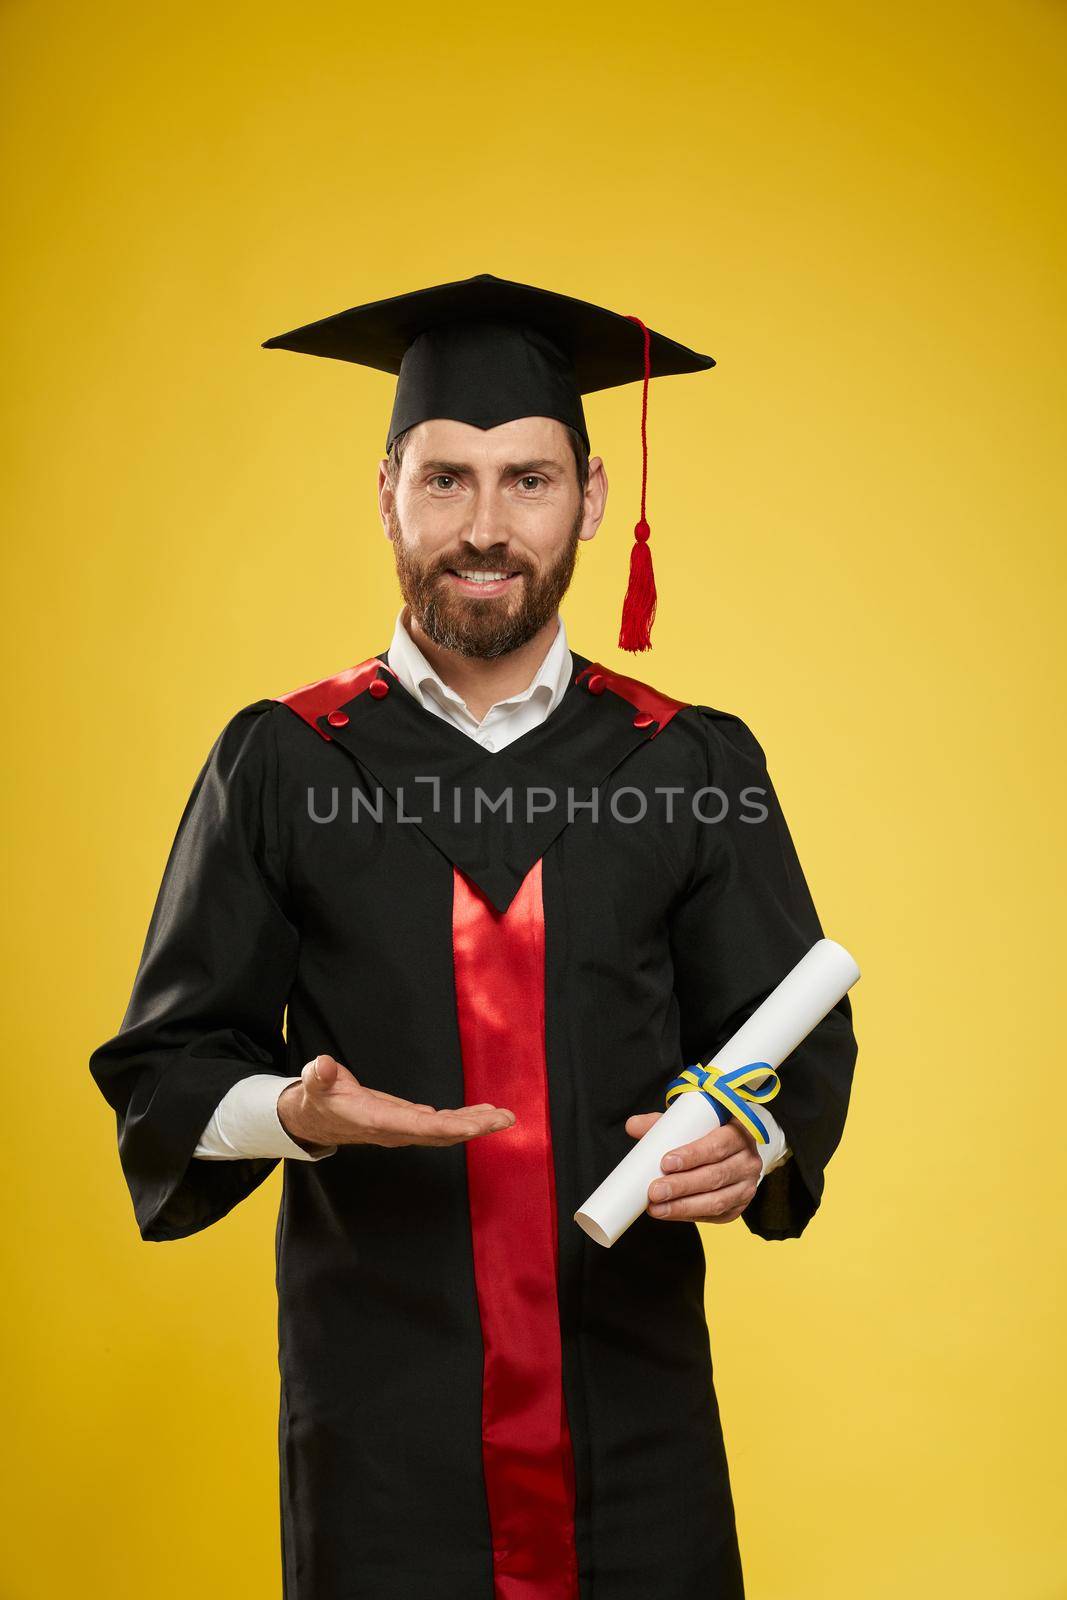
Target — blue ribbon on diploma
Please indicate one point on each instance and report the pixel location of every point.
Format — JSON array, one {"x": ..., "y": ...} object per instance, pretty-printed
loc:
[{"x": 725, "y": 1092}]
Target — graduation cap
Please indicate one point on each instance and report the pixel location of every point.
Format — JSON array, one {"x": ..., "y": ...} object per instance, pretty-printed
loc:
[{"x": 485, "y": 350}]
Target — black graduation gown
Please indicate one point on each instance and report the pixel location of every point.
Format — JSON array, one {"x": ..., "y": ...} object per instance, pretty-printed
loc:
[{"x": 477, "y": 1401}]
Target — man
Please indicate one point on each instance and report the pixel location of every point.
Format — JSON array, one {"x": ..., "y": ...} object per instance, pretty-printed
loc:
[{"x": 501, "y": 895}]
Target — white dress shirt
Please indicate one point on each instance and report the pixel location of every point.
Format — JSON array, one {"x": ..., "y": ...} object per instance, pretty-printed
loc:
[{"x": 246, "y": 1123}]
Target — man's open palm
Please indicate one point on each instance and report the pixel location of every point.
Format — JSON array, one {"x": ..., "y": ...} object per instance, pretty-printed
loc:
[{"x": 330, "y": 1106}]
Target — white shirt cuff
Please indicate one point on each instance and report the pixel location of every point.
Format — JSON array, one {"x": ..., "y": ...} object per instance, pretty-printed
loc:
[
  {"x": 776, "y": 1150},
  {"x": 246, "y": 1124}
]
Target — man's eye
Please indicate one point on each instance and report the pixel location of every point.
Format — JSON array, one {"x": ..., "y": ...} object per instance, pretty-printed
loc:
[
  {"x": 531, "y": 479},
  {"x": 442, "y": 478}
]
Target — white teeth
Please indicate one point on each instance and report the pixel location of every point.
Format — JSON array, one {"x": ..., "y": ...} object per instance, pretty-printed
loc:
[{"x": 483, "y": 577}]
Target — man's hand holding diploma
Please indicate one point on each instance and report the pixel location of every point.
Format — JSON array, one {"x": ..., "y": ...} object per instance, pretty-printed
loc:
[
  {"x": 711, "y": 1179},
  {"x": 719, "y": 1162}
]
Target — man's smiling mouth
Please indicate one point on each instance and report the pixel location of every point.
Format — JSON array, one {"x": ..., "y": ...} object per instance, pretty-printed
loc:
[
  {"x": 472, "y": 581},
  {"x": 480, "y": 577}
]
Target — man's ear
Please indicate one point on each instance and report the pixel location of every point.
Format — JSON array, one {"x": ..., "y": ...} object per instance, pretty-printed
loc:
[
  {"x": 595, "y": 499},
  {"x": 386, "y": 498}
]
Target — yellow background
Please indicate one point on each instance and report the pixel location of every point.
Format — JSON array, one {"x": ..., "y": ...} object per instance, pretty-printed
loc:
[{"x": 857, "y": 522}]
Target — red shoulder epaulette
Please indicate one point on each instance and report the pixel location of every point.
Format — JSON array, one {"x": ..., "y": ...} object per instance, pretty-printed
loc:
[
  {"x": 651, "y": 706},
  {"x": 320, "y": 699}
]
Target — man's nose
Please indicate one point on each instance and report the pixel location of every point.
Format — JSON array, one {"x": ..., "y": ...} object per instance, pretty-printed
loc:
[{"x": 488, "y": 523}]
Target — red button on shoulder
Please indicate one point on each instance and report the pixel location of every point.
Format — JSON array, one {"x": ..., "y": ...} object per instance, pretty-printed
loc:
[
  {"x": 337, "y": 719},
  {"x": 378, "y": 688},
  {"x": 596, "y": 684},
  {"x": 643, "y": 720}
]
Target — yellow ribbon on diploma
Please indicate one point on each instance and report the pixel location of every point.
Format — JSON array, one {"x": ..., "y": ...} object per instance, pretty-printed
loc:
[{"x": 726, "y": 1092}]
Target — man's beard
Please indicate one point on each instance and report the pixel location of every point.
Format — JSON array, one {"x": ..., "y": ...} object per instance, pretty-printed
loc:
[{"x": 481, "y": 628}]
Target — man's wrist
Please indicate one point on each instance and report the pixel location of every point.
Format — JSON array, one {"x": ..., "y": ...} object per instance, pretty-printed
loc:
[{"x": 286, "y": 1116}]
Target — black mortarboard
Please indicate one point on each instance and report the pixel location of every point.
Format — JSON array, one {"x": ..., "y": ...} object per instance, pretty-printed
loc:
[{"x": 484, "y": 351}]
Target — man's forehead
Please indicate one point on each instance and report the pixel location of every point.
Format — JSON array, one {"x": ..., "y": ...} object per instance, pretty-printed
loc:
[{"x": 520, "y": 438}]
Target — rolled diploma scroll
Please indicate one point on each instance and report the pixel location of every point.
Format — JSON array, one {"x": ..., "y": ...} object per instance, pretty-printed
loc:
[{"x": 803, "y": 998}]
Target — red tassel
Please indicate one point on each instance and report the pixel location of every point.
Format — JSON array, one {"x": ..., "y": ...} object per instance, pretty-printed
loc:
[{"x": 639, "y": 605}]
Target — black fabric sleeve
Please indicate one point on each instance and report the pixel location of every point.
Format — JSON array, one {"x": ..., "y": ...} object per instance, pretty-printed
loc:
[
  {"x": 210, "y": 992},
  {"x": 744, "y": 920}
]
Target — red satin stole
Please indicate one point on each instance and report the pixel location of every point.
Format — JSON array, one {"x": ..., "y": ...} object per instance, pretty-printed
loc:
[{"x": 499, "y": 960}]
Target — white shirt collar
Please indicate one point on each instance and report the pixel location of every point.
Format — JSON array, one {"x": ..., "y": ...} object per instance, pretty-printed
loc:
[{"x": 548, "y": 684}]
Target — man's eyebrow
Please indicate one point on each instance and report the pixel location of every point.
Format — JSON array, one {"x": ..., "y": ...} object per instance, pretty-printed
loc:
[{"x": 511, "y": 469}]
